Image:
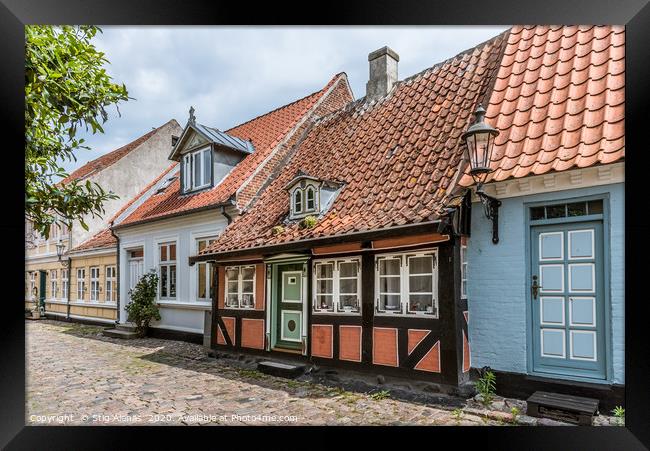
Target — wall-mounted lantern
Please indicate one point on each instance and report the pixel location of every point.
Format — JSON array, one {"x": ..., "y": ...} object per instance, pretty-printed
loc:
[
  {"x": 60, "y": 248},
  {"x": 479, "y": 139}
]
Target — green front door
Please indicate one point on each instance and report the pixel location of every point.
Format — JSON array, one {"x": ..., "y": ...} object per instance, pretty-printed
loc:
[{"x": 289, "y": 310}]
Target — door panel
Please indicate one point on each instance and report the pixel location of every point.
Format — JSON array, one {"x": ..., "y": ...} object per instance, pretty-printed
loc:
[
  {"x": 290, "y": 300},
  {"x": 568, "y": 306}
]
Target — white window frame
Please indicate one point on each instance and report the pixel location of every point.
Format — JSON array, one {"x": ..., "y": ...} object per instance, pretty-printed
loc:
[
  {"x": 304, "y": 209},
  {"x": 404, "y": 284},
  {"x": 95, "y": 287},
  {"x": 32, "y": 285},
  {"x": 190, "y": 182},
  {"x": 336, "y": 285},
  {"x": 54, "y": 283},
  {"x": 169, "y": 263},
  {"x": 208, "y": 269},
  {"x": 81, "y": 284},
  {"x": 111, "y": 284},
  {"x": 463, "y": 270},
  {"x": 240, "y": 283},
  {"x": 65, "y": 284}
]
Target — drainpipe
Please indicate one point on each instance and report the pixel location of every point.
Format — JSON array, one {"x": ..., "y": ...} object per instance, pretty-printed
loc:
[
  {"x": 69, "y": 269},
  {"x": 117, "y": 278},
  {"x": 226, "y": 215}
]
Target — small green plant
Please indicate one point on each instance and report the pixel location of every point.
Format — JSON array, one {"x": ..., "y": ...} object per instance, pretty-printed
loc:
[
  {"x": 457, "y": 414},
  {"x": 486, "y": 386},
  {"x": 142, "y": 307},
  {"x": 619, "y": 414},
  {"x": 308, "y": 222},
  {"x": 277, "y": 230},
  {"x": 514, "y": 411},
  {"x": 379, "y": 395}
]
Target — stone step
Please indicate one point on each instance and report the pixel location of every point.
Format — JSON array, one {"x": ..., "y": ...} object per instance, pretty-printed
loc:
[
  {"x": 279, "y": 369},
  {"x": 128, "y": 327},
  {"x": 567, "y": 408},
  {"x": 119, "y": 333}
]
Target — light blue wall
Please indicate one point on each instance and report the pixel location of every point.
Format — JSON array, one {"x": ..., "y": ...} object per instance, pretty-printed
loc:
[{"x": 497, "y": 282}]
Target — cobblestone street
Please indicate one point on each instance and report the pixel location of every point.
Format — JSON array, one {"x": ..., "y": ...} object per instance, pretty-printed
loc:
[{"x": 76, "y": 376}]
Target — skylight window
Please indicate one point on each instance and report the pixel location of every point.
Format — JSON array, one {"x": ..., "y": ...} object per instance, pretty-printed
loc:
[{"x": 165, "y": 184}]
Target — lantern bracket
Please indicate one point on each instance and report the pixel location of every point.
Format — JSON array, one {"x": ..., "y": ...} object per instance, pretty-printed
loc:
[{"x": 491, "y": 209}]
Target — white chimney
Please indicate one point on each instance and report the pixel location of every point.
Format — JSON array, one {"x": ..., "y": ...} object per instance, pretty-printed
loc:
[{"x": 383, "y": 73}]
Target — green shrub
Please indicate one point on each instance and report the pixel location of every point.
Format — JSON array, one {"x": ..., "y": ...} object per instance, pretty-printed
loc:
[
  {"x": 514, "y": 411},
  {"x": 378, "y": 396},
  {"x": 142, "y": 308},
  {"x": 619, "y": 413},
  {"x": 278, "y": 229},
  {"x": 308, "y": 222},
  {"x": 486, "y": 386}
]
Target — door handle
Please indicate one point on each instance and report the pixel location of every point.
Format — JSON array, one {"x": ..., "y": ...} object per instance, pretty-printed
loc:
[{"x": 535, "y": 287}]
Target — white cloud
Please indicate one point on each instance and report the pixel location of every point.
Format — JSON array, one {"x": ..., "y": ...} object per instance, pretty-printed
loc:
[{"x": 232, "y": 74}]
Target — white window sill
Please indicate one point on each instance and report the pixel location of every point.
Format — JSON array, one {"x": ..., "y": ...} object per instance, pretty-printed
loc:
[
  {"x": 408, "y": 315},
  {"x": 238, "y": 308},
  {"x": 111, "y": 305},
  {"x": 338, "y": 313},
  {"x": 56, "y": 301},
  {"x": 185, "y": 305}
]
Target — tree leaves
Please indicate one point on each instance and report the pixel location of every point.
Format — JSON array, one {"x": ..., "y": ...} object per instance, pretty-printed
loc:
[{"x": 66, "y": 87}]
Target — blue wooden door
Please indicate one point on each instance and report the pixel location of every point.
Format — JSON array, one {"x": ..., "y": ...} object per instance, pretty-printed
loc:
[{"x": 568, "y": 300}]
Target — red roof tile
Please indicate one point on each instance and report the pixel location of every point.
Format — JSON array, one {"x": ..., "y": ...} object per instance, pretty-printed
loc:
[
  {"x": 267, "y": 132},
  {"x": 103, "y": 239},
  {"x": 396, "y": 158},
  {"x": 110, "y": 158},
  {"x": 558, "y": 101}
]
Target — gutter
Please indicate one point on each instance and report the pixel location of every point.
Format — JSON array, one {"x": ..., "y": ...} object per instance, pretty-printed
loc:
[
  {"x": 117, "y": 275},
  {"x": 172, "y": 215},
  {"x": 310, "y": 241},
  {"x": 67, "y": 315},
  {"x": 226, "y": 215}
]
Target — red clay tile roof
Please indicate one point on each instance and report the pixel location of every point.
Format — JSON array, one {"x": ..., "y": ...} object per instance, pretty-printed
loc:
[
  {"x": 559, "y": 100},
  {"x": 110, "y": 158},
  {"x": 266, "y": 132},
  {"x": 396, "y": 158},
  {"x": 103, "y": 239}
]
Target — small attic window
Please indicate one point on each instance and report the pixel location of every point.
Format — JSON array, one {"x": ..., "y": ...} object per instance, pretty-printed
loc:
[
  {"x": 304, "y": 198},
  {"x": 165, "y": 184}
]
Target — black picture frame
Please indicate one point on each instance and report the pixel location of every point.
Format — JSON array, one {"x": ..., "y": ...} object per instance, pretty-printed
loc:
[{"x": 635, "y": 14}]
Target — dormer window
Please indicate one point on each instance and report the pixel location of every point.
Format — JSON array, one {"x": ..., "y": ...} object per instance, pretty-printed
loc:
[
  {"x": 197, "y": 169},
  {"x": 304, "y": 199}
]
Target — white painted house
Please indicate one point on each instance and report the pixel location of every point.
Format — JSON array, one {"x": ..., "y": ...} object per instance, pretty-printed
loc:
[{"x": 213, "y": 177}]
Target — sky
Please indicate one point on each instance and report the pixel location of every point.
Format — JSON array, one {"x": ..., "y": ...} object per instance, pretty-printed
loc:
[{"x": 233, "y": 74}]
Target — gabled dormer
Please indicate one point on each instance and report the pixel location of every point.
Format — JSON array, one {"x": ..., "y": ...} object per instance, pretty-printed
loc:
[
  {"x": 206, "y": 155},
  {"x": 310, "y": 195}
]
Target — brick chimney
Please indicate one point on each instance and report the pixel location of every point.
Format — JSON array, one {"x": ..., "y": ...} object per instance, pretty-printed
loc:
[{"x": 383, "y": 73}]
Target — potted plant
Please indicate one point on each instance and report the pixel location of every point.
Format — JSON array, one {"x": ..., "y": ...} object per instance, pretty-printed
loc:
[{"x": 142, "y": 307}]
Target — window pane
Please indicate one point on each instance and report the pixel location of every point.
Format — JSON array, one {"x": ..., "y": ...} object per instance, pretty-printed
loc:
[
  {"x": 201, "y": 245},
  {"x": 247, "y": 273},
  {"x": 348, "y": 269},
  {"x": 206, "y": 167},
  {"x": 232, "y": 286},
  {"x": 172, "y": 252},
  {"x": 231, "y": 300},
  {"x": 348, "y": 286},
  {"x": 389, "y": 267},
  {"x": 310, "y": 199},
  {"x": 349, "y": 302},
  {"x": 201, "y": 281},
  {"x": 232, "y": 274},
  {"x": 197, "y": 169},
  {"x": 420, "y": 284},
  {"x": 421, "y": 303},
  {"x": 247, "y": 286},
  {"x": 555, "y": 211},
  {"x": 247, "y": 300},
  {"x": 172, "y": 281},
  {"x": 595, "y": 207},
  {"x": 421, "y": 265},
  {"x": 537, "y": 213},
  {"x": 324, "y": 271},
  {"x": 163, "y": 253},
  {"x": 389, "y": 302},
  {"x": 389, "y": 284},
  {"x": 577, "y": 209},
  {"x": 298, "y": 201},
  {"x": 163, "y": 281},
  {"x": 324, "y": 286},
  {"x": 324, "y": 302}
]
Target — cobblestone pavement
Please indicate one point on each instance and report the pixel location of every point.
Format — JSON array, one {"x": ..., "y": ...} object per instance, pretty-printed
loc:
[{"x": 76, "y": 376}]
